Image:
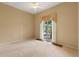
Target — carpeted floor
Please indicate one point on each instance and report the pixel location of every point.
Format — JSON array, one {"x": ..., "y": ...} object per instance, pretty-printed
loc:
[{"x": 35, "y": 48}]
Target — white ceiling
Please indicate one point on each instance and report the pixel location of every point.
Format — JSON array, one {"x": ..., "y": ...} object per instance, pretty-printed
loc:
[{"x": 26, "y": 6}]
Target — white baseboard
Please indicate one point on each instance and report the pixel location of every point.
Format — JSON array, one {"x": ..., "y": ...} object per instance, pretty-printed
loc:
[
  {"x": 15, "y": 41},
  {"x": 7, "y": 43}
]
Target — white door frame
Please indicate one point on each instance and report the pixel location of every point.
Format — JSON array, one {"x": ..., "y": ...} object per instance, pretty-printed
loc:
[{"x": 53, "y": 31}]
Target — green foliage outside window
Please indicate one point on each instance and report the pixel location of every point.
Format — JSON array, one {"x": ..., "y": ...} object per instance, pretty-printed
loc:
[{"x": 48, "y": 26}]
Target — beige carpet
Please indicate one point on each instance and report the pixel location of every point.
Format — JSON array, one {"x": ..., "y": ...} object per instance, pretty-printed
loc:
[{"x": 34, "y": 48}]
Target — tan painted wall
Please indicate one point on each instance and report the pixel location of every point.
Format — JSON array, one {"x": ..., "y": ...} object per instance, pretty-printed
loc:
[
  {"x": 15, "y": 24},
  {"x": 78, "y": 29},
  {"x": 66, "y": 23}
]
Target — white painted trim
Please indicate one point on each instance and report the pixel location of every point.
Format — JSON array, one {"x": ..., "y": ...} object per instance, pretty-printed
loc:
[{"x": 7, "y": 43}]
